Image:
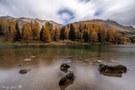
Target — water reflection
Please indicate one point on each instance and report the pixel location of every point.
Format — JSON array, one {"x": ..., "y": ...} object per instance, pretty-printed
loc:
[
  {"x": 45, "y": 71},
  {"x": 112, "y": 74}
]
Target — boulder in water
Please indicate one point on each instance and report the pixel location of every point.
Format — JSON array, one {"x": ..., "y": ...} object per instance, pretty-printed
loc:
[
  {"x": 112, "y": 70},
  {"x": 27, "y": 59},
  {"x": 66, "y": 81},
  {"x": 32, "y": 57},
  {"x": 64, "y": 67},
  {"x": 23, "y": 71}
]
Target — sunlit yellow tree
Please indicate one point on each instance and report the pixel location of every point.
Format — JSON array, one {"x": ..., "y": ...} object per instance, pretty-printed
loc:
[
  {"x": 47, "y": 34},
  {"x": 35, "y": 30},
  {"x": 94, "y": 37},
  {"x": 26, "y": 32}
]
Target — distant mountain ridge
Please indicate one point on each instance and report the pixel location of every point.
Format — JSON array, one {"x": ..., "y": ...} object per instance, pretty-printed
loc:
[
  {"x": 109, "y": 24},
  {"x": 106, "y": 23},
  {"x": 22, "y": 20}
]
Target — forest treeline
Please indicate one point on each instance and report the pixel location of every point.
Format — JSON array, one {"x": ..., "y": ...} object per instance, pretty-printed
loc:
[{"x": 89, "y": 33}]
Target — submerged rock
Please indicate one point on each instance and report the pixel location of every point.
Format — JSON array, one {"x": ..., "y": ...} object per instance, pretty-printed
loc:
[
  {"x": 64, "y": 67},
  {"x": 32, "y": 57},
  {"x": 27, "y": 59},
  {"x": 20, "y": 65},
  {"x": 112, "y": 70},
  {"x": 66, "y": 81},
  {"x": 23, "y": 71},
  {"x": 68, "y": 57}
]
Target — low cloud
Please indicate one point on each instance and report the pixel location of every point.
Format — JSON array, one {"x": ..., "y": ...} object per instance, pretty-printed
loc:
[
  {"x": 66, "y": 15},
  {"x": 66, "y": 11}
]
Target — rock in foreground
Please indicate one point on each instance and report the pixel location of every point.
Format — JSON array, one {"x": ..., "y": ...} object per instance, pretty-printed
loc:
[
  {"x": 64, "y": 67},
  {"x": 66, "y": 81},
  {"x": 112, "y": 70},
  {"x": 23, "y": 71}
]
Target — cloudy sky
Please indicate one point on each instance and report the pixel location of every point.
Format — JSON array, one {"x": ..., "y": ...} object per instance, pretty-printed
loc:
[{"x": 66, "y": 11}]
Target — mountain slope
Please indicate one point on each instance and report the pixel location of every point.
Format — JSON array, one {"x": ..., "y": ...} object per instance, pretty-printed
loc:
[
  {"x": 23, "y": 20},
  {"x": 90, "y": 31},
  {"x": 109, "y": 24},
  {"x": 106, "y": 23}
]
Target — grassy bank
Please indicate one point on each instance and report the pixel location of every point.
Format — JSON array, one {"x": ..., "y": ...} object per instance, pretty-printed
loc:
[{"x": 37, "y": 42}]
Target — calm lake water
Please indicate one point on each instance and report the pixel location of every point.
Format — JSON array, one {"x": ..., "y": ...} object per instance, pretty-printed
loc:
[{"x": 44, "y": 70}]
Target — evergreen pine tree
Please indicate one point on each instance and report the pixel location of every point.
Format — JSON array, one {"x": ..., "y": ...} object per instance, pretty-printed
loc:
[
  {"x": 17, "y": 35},
  {"x": 1, "y": 32},
  {"x": 62, "y": 33},
  {"x": 72, "y": 33},
  {"x": 42, "y": 34},
  {"x": 85, "y": 36}
]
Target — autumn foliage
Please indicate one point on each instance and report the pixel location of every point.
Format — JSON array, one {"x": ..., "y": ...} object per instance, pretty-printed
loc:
[{"x": 91, "y": 33}]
